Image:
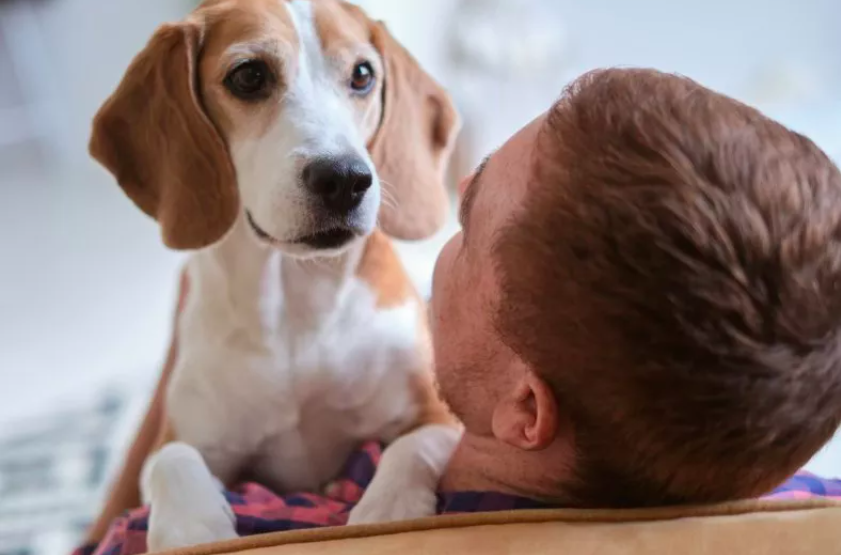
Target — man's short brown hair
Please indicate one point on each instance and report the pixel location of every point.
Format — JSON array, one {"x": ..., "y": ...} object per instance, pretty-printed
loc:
[{"x": 675, "y": 275}]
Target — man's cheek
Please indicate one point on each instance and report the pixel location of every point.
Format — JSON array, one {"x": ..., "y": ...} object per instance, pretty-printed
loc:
[
  {"x": 443, "y": 266},
  {"x": 462, "y": 185}
]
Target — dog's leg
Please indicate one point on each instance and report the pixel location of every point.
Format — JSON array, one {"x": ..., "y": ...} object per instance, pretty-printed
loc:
[
  {"x": 407, "y": 478},
  {"x": 187, "y": 503}
]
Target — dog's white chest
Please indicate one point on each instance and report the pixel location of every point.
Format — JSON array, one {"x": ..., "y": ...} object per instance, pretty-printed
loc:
[{"x": 290, "y": 405}]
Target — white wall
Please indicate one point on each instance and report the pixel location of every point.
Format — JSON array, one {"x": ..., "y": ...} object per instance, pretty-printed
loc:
[
  {"x": 86, "y": 285},
  {"x": 775, "y": 53},
  {"x": 719, "y": 42},
  {"x": 92, "y": 43}
]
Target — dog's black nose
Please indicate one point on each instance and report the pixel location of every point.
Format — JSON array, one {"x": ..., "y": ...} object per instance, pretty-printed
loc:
[{"x": 339, "y": 181}]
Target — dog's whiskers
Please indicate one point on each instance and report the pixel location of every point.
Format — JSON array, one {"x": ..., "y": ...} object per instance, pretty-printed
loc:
[
  {"x": 314, "y": 264},
  {"x": 388, "y": 196},
  {"x": 305, "y": 266}
]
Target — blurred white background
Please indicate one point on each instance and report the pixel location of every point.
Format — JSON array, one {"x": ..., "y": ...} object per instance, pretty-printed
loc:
[{"x": 86, "y": 288}]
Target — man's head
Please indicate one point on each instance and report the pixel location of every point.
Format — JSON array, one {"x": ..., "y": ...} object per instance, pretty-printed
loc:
[{"x": 650, "y": 278}]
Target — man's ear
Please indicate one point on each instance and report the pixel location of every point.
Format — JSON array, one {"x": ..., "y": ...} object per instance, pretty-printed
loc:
[
  {"x": 154, "y": 136},
  {"x": 527, "y": 416}
]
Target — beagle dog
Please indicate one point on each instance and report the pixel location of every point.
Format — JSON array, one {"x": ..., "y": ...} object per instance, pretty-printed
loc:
[{"x": 285, "y": 142}]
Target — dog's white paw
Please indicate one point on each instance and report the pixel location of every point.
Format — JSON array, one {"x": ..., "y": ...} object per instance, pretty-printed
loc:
[
  {"x": 188, "y": 507},
  {"x": 188, "y": 523},
  {"x": 405, "y": 483},
  {"x": 395, "y": 505}
]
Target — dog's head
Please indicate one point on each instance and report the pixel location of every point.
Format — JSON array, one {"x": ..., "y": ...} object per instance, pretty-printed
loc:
[{"x": 303, "y": 117}]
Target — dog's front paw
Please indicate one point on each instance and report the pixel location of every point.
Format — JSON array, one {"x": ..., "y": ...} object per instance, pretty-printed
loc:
[
  {"x": 404, "y": 485},
  {"x": 189, "y": 525},
  {"x": 394, "y": 505},
  {"x": 188, "y": 506}
]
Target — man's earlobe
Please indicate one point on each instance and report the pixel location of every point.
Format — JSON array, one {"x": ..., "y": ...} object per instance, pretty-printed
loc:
[{"x": 527, "y": 418}]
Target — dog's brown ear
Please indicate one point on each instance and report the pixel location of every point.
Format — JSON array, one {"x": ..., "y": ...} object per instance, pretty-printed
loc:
[
  {"x": 155, "y": 137},
  {"x": 413, "y": 143}
]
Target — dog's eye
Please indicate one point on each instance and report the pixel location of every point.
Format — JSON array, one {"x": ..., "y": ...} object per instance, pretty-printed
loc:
[
  {"x": 362, "y": 80},
  {"x": 249, "y": 80}
]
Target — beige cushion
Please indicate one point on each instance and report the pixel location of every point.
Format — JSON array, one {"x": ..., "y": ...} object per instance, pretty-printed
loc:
[{"x": 750, "y": 528}]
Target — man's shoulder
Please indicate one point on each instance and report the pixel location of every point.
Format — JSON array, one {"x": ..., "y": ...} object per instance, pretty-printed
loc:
[
  {"x": 485, "y": 502},
  {"x": 805, "y": 485}
]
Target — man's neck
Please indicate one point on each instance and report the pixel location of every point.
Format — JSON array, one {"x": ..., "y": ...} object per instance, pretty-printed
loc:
[{"x": 487, "y": 465}]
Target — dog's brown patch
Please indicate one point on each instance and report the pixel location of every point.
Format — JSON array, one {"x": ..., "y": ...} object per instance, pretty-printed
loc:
[{"x": 382, "y": 270}]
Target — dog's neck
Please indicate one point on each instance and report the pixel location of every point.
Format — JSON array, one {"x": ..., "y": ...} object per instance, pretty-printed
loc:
[{"x": 259, "y": 284}]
